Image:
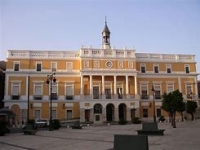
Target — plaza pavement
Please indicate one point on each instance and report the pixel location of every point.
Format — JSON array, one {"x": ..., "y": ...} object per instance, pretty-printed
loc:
[{"x": 185, "y": 137}]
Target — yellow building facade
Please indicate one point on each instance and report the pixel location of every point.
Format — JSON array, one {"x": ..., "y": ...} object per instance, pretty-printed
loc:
[{"x": 95, "y": 85}]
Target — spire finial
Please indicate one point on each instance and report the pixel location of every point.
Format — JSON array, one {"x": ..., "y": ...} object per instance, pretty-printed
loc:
[{"x": 105, "y": 20}]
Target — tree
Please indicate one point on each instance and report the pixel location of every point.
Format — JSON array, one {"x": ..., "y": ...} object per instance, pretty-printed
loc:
[
  {"x": 191, "y": 107},
  {"x": 181, "y": 109},
  {"x": 171, "y": 103}
]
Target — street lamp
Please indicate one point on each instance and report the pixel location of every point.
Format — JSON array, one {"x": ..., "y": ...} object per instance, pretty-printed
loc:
[
  {"x": 50, "y": 80},
  {"x": 154, "y": 114}
]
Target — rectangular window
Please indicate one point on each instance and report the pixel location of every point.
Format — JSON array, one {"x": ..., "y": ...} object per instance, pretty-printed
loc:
[
  {"x": 158, "y": 112},
  {"x": 145, "y": 113},
  {"x": 38, "y": 66},
  {"x": 54, "y": 92},
  {"x": 168, "y": 68},
  {"x": 38, "y": 91},
  {"x": 54, "y": 116},
  {"x": 69, "y": 91},
  {"x": 156, "y": 69},
  {"x": 53, "y": 66},
  {"x": 189, "y": 90},
  {"x": 108, "y": 93},
  {"x": 119, "y": 92},
  {"x": 69, "y": 66},
  {"x": 95, "y": 92},
  {"x": 37, "y": 114},
  {"x": 157, "y": 91},
  {"x": 144, "y": 91},
  {"x": 143, "y": 69},
  {"x": 187, "y": 69},
  {"x": 170, "y": 88},
  {"x": 15, "y": 89},
  {"x": 16, "y": 66},
  {"x": 69, "y": 114}
]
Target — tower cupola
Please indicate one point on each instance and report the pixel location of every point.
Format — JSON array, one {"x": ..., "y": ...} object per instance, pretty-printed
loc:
[{"x": 106, "y": 37}]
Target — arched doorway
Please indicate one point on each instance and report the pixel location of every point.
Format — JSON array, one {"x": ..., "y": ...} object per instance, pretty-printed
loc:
[
  {"x": 110, "y": 112},
  {"x": 122, "y": 111},
  {"x": 97, "y": 114},
  {"x": 15, "y": 108}
]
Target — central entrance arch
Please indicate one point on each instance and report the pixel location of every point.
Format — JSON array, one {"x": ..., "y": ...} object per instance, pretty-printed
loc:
[{"x": 110, "y": 112}]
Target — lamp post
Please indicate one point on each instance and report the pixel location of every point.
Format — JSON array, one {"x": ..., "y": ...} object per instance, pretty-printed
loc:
[
  {"x": 154, "y": 114},
  {"x": 50, "y": 80}
]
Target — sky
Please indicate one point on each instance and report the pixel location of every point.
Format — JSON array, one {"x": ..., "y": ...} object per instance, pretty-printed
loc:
[{"x": 150, "y": 26}]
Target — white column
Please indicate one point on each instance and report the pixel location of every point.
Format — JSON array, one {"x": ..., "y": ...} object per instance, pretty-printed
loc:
[
  {"x": 91, "y": 89},
  {"x": 91, "y": 115},
  {"x": 115, "y": 85},
  {"x": 81, "y": 85},
  {"x": 127, "y": 90},
  {"x": 104, "y": 114},
  {"x": 136, "y": 90},
  {"x": 179, "y": 84},
  {"x": 103, "y": 84}
]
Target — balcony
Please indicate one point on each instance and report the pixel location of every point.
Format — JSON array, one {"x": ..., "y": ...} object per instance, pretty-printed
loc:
[
  {"x": 54, "y": 96},
  {"x": 37, "y": 97},
  {"x": 69, "y": 97},
  {"x": 157, "y": 96},
  {"x": 144, "y": 96},
  {"x": 15, "y": 97},
  {"x": 108, "y": 96}
]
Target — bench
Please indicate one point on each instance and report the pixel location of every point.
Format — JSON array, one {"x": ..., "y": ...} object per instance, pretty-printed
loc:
[
  {"x": 150, "y": 128},
  {"x": 29, "y": 129},
  {"x": 76, "y": 125},
  {"x": 130, "y": 142}
]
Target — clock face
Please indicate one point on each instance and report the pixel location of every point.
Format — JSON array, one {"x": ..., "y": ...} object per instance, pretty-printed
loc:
[{"x": 109, "y": 64}]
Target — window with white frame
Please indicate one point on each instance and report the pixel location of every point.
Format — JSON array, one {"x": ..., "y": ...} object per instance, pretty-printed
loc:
[
  {"x": 156, "y": 69},
  {"x": 69, "y": 91},
  {"x": 15, "y": 88},
  {"x": 120, "y": 64},
  {"x": 54, "y": 115},
  {"x": 38, "y": 91},
  {"x": 16, "y": 66},
  {"x": 130, "y": 64},
  {"x": 96, "y": 64},
  {"x": 53, "y": 66},
  {"x": 170, "y": 87},
  {"x": 69, "y": 114},
  {"x": 187, "y": 69},
  {"x": 54, "y": 92},
  {"x": 37, "y": 114},
  {"x": 188, "y": 90},
  {"x": 142, "y": 68},
  {"x": 143, "y": 89},
  {"x": 86, "y": 63},
  {"x": 168, "y": 67},
  {"x": 38, "y": 66},
  {"x": 69, "y": 66},
  {"x": 157, "y": 91}
]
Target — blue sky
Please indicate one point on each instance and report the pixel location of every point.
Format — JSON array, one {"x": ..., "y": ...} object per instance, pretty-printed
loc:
[{"x": 153, "y": 26}]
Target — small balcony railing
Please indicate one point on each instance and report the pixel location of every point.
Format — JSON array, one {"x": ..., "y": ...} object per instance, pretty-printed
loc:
[
  {"x": 157, "y": 96},
  {"x": 144, "y": 96},
  {"x": 15, "y": 97},
  {"x": 37, "y": 97},
  {"x": 69, "y": 97}
]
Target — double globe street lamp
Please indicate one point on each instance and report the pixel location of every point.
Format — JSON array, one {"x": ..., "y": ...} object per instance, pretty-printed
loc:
[{"x": 50, "y": 80}]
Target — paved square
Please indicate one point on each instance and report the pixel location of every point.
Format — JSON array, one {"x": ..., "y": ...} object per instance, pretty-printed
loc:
[{"x": 185, "y": 137}]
